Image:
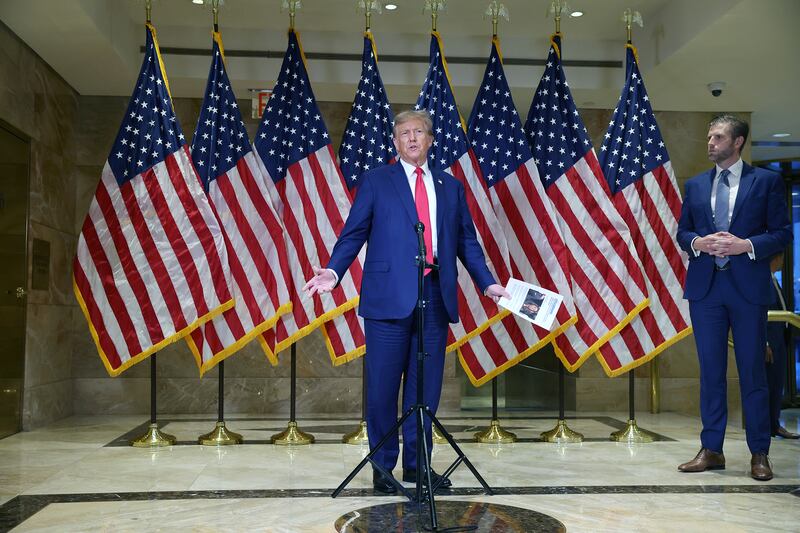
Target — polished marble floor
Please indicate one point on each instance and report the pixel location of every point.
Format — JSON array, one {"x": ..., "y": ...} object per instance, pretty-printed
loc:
[{"x": 80, "y": 475}]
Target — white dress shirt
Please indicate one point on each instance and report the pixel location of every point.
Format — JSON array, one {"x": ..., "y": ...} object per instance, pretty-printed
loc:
[
  {"x": 427, "y": 179},
  {"x": 734, "y": 178}
]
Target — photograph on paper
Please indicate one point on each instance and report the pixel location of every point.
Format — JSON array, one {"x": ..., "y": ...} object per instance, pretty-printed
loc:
[{"x": 534, "y": 304}]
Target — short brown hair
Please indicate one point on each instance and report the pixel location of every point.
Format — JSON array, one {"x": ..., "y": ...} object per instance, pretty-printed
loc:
[
  {"x": 413, "y": 114},
  {"x": 738, "y": 127}
]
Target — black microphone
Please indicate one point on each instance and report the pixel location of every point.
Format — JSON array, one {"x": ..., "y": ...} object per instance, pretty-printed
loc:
[{"x": 420, "y": 227}]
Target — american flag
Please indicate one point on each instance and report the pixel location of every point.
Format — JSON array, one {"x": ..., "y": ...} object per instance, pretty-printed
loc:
[
  {"x": 367, "y": 140},
  {"x": 151, "y": 263},
  {"x": 237, "y": 191},
  {"x": 607, "y": 282},
  {"x": 528, "y": 221},
  {"x": 451, "y": 152},
  {"x": 636, "y": 164},
  {"x": 310, "y": 196}
]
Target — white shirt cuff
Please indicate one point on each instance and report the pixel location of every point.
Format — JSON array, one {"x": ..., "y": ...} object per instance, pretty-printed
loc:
[
  {"x": 751, "y": 255},
  {"x": 696, "y": 252},
  {"x": 335, "y": 275}
]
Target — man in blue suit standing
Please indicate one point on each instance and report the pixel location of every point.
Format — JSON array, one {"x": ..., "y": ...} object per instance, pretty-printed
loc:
[
  {"x": 733, "y": 220},
  {"x": 391, "y": 200}
]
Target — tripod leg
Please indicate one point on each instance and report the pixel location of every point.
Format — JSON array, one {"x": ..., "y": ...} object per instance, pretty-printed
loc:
[
  {"x": 368, "y": 459},
  {"x": 461, "y": 456},
  {"x": 426, "y": 467}
]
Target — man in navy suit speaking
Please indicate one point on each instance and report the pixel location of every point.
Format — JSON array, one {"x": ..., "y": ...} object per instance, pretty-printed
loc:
[
  {"x": 391, "y": 200},
  {"x": 733, "y": 220}
]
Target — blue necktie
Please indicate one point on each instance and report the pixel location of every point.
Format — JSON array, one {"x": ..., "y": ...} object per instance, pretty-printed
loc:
[{"x": 721, "y": 210}]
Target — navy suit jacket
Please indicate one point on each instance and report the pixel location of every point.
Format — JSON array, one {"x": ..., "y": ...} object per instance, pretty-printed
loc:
[
  {"x": 384, "y": 216},
  {"x": 759, "y": 214}
]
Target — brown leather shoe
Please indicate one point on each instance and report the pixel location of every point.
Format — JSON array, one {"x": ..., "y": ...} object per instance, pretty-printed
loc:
[
  {"x": 705, "y": 460},
  {"x": 785, "y": 433},
  {"x": 760, "y": 469}
]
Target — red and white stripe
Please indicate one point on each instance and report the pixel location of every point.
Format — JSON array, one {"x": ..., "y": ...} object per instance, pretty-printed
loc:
[
  {"x": 151, "y": 263},
  {"x": 651, "y": 208},
  {"x": 258, "y": 264},
  {"x": 539, "y": 256},
  {"x": 313, "y": 203},
  {"x": 475, "y": 310},
  {"x": 608, "y": 286}
]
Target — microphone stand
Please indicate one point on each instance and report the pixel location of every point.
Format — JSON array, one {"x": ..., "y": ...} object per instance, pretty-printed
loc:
[{"x": 425, "y": 488}]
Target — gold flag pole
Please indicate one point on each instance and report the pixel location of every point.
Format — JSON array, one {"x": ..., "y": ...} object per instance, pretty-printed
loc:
[
  {"x": 154, "y": 437},
  {"x": 359, "y": 435},
  {"x": 561, "y": 433},
  {"x": 632, "y": 433},
  {"x": 292, "y": 6},
  {"x": 220, "y": 435},
  {"x": 292, "y": 435},
  {"x": 495, "y": 434},
  {"x": 434, "y": 6}
]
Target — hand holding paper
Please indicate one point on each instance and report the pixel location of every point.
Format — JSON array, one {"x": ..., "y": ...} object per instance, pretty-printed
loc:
[{"x": 534, "y": 304}]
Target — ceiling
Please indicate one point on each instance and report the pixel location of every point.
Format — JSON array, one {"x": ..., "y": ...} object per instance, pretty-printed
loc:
[{"x": 751, "y": 45}]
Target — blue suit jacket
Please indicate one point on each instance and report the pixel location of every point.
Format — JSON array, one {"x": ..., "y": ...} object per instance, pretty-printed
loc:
[
  {"x": 759, "y": 214},
  {"x": 384, "y": 216}
]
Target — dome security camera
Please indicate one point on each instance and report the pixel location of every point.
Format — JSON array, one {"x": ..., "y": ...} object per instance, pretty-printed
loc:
[{"x": 716, "y": 88}]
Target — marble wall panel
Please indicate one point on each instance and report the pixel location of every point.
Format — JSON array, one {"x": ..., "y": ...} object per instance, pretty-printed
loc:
[
  {"x": 86, "y": 179},
  {"x": 43, "y": 404},
  {"x": 62, "y": 251},
  {"x": 112, "y": 396},
  {"x": 40, "y": 104},
  {"x": 16, "y": 96},
  {"x": 99, "y": 118},
  {"x": 49, "y": 352},
  {"x": 52, "y": 186}
]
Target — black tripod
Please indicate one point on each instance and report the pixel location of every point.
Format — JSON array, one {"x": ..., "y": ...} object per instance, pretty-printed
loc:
[{"x": 425, "y": 488}]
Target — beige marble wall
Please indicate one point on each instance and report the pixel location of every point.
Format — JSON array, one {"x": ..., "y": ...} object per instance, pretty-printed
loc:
[{"x": 40, "y": 105}]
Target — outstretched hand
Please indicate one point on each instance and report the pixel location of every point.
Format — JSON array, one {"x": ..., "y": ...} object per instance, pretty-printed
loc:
[
  {"x": 496, "y": 291},
  {"x": 323, "y": 281}
]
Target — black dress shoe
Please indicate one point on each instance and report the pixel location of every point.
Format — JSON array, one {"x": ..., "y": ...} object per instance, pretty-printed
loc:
[
  {"x": 382, "y": 483},
  {"x": 410, "y": 476}
]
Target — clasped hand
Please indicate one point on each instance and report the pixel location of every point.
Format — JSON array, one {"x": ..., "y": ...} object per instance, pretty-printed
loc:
[{"x": 722, "y": 244}]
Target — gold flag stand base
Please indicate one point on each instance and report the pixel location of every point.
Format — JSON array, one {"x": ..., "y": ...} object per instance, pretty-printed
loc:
[
  {"x": 153, "y": 438},
  {"x": 495, "y": 434},
  {"x": 633, "y": 433},
  {"x": 562, "y": 433},
  {"x": 220, "y": 436},
  {"x": 437, "y": 437},
  {"x": 358, "y": 436},
  {"x": 292, "y": 436}
]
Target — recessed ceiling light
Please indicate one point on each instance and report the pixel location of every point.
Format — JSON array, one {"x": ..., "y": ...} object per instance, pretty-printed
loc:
[
  {"x": 781, "y": 134},
  {"x": 576, "y": 14},
  {"x": 390, "y": 7}
]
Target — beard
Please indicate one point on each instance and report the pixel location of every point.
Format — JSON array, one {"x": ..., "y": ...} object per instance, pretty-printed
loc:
[{"x": 722, "y": 154}]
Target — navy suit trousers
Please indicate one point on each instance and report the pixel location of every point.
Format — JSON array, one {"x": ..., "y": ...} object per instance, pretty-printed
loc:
[
  {"x": 723, "y": 309},
  {"x": 392, "y": 356}
]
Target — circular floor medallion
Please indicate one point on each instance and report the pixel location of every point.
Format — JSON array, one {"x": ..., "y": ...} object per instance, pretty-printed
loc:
[{"x": 407, "y": 517}]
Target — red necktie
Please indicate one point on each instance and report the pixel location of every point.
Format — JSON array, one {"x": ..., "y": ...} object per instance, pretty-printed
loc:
[{"x": 424, "y": 215}]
